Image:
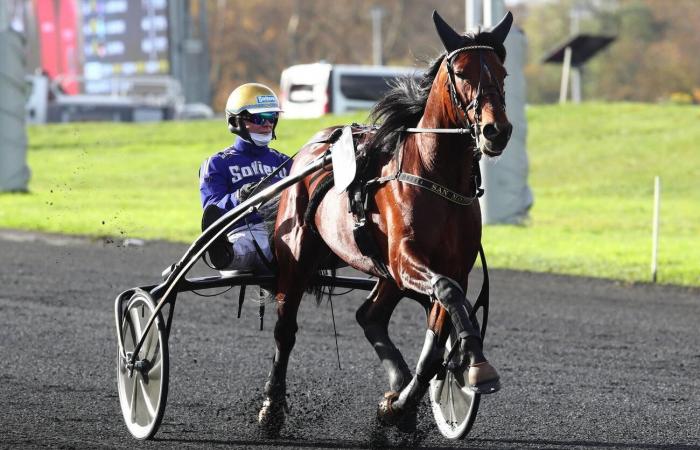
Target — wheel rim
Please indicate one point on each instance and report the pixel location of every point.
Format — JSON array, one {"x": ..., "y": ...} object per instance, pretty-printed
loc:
[
  {"x": 454, "y": 404},
  {"x": 142, "y": 393}
]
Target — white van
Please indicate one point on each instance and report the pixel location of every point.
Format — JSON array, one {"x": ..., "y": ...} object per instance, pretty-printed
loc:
[{"x": 312, "y": 90}]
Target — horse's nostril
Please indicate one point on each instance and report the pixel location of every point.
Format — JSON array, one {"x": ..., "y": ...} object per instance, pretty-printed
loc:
[
  {"x": 493, "y": 130},
  {"x": 490, "y": 131}
]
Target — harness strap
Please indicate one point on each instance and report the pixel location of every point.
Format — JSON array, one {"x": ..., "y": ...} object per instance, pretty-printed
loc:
[
  {"x": 358, "y": 197},
  {"x": 434, "y": 187}
]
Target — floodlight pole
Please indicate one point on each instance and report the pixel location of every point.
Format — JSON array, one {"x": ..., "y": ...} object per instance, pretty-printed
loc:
[
  {"x": 377, "y": 57},
  {"x": 473, "y": 14}
]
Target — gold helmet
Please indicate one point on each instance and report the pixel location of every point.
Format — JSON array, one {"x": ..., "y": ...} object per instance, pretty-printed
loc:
[
  {"x": 253, "y": 98},
  {"x": 250, "y": 98}
]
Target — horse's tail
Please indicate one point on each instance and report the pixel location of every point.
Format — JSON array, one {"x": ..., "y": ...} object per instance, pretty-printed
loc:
[{"x": 319, "y": 290}]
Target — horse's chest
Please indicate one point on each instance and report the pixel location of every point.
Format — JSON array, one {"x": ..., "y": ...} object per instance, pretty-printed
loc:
[{"x": 439, "y": 231}]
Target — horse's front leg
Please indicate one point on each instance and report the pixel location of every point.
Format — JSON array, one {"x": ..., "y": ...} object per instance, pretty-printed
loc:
[
  {"x": 483, "y": 377},
  {"x": 450, "y": 310}
]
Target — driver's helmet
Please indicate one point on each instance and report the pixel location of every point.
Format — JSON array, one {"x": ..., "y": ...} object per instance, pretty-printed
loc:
[{"x": 251, "y": 98}]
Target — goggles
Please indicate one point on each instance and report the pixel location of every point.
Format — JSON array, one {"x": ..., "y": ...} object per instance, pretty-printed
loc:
[{"x": 261, "y": 118}]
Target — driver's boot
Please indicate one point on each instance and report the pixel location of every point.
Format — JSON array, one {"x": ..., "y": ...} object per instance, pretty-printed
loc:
[{"x": 220, "y": 252}]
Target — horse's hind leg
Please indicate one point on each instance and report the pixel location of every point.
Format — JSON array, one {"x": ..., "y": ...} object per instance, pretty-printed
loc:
[
  {"x": 373, "y": 316},
  {"x": 293, "y": 278},
  {"x": 298, "y": 251},
  {"x": 271, "y": 415},
  {"x": 395, "y": 406}
]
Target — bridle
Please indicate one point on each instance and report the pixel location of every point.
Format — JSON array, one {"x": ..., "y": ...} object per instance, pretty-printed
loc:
[{"x": 472, "y": 128}]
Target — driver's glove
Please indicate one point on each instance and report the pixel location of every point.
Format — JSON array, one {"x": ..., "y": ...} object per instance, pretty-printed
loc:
[{"x": 244, "y": 192}]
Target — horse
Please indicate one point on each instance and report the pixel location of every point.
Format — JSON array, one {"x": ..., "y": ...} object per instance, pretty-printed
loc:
[{"x": 419, "y": 172}]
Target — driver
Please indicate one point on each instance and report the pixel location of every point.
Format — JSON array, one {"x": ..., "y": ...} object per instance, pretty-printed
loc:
[{"x": 228, "y": 178}]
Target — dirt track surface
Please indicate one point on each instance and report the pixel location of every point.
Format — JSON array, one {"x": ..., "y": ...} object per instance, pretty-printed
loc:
[{"x": 584, "y": 363}]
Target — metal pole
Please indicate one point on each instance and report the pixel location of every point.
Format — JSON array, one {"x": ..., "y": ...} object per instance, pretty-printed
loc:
[
  {"x": 377, "y": 57},
  {"x": 14, "y": 172},
  {"x": 473, "y": 14},
  {"x": 655, "y": 228},
  {"x": 4, "y": 16},
  {"x": 488, "y": 13},
  {"x": 565, "y": 69},
  {"x": 576, "y": 84}
]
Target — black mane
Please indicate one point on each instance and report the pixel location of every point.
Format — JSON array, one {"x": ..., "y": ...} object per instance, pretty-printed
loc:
[{"x": 401, "y": 107}]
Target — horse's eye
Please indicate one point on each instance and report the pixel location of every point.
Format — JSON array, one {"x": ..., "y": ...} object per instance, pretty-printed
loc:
[{"x": 462, "y": 76}]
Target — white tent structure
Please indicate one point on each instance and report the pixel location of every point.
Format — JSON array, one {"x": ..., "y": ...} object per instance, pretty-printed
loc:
[
  {"x": 14, "y": 173},
  {"x": 507, "y": 197}
]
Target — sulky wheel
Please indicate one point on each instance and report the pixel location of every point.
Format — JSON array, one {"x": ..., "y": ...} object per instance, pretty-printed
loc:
[
  {"x": 143, "y": 388},
  {"x": 454, "y": 404}
]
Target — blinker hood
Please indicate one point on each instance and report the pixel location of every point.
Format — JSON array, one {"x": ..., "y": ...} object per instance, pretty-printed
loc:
[{"x": 493, "y": 37}]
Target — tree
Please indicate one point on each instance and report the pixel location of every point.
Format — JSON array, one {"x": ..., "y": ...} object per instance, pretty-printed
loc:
[
  {"x": 255, "y": 41},
  {"x": 652, "y": 57}
]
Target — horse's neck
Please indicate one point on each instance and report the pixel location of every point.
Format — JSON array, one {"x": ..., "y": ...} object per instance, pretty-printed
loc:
[{"x": 439, "y": 156}]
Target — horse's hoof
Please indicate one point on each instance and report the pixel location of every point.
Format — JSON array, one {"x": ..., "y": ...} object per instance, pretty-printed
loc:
[
  {"x": 483, "y": 378},
  {"x": 385, "y": 411},
  {"x": 271, "y": 417}
]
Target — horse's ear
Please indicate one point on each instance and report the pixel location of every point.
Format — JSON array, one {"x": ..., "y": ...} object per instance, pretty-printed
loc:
[
  {"x": 501, "y": 30},
  {"x": 449, "y": 37}
]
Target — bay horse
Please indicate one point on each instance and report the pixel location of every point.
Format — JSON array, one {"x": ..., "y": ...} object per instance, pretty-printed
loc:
[{"x": 422, "y": 213}]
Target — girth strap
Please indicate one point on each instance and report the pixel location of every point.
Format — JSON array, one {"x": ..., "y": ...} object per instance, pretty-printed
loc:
[{"x": 358, "y": 198}]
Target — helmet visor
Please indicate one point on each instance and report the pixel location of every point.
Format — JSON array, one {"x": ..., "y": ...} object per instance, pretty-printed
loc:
[{"x": 261, "y": 118}]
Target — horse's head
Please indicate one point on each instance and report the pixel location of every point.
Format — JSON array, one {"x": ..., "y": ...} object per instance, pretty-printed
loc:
[{"x": 474, "y": 75}]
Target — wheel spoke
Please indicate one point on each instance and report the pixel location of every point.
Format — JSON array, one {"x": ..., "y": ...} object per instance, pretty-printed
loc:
[
  {"x": 467, "y": 395},
  {"x": 129, "y": 332},
  {"x": 156, "y": 352},
  {"x": 147, "y": 399},
  {"x": 148, "y": 342},
  {"x": 136, "y": 323},
  {"x": 437, "y": 391},
  {"x": 154, "y": 373},
  {"x": 460, "y": 379},
  {"x": 451, "y": 401},
  {"x": 132, "y": 405}
]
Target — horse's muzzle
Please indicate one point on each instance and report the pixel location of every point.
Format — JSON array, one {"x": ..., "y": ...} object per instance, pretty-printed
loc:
[{"x": 495, "y": 137}]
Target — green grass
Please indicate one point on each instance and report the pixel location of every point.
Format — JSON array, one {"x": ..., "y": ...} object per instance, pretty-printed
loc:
[
  {"x": 592, "y": 172},
  {"x": 591, "y": 169}
]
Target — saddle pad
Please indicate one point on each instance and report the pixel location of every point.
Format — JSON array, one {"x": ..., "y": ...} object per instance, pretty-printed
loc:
[{"x": 344, "y": 164}]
